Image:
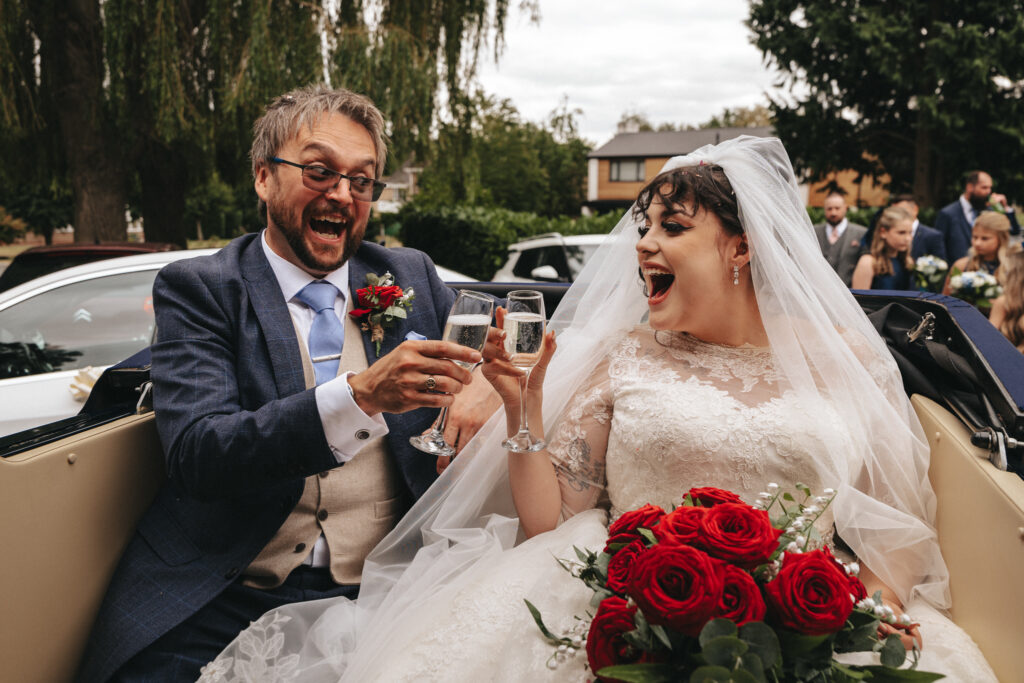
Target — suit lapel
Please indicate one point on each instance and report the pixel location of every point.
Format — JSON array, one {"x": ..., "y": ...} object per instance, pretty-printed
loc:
[{"x": 276, "y": 323}]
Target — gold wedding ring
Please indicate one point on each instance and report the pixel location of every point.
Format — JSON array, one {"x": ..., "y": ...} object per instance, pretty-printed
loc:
[{"x": 431, "y": 383}]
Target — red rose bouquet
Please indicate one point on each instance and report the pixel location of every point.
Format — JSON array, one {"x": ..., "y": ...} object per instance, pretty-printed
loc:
[
  {"x": 719, "y": 590},
  {"x": 380, "y": 302}
]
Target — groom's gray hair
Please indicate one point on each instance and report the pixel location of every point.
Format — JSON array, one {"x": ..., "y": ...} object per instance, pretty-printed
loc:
[{"x": 304, "y": 107}]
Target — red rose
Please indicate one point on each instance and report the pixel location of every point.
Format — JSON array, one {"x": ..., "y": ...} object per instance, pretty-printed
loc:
[
  {"x": 681, "y": 526},
  {"x": 737, "y": 533},
  {"x": 387, "y": 295},
  {"x": 619, "y": 565},
  {"x": 677, "y": 586},
  {"x": 741, "y": 597},
  {"x": 709, "y": 496},
  {"x": 358, "y": 313},
  {"x": 624, "y": 529},
  {"x": 363, "y": 296},
  {"x": 811, "y": 594},
  {"x": 605, "y": 644}
]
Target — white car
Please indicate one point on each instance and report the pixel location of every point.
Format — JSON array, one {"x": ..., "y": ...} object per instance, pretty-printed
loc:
[
  {"x": 58, "y": 332},
  {"x": 550, "y": 257}
]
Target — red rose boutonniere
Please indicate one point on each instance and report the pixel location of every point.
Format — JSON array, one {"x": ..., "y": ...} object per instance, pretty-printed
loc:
[{"x": 380, "y": 302}]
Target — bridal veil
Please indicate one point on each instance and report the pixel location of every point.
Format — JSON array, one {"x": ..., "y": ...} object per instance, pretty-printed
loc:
[{"x": 824, "y": 348}]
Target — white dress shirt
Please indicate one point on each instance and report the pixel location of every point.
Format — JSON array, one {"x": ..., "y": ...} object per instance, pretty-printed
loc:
[
  {"x": 836, "y": 231},
  {"x": 340, "y": 415}
]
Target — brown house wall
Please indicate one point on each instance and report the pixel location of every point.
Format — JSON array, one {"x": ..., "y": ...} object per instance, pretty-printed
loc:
[{"x": 606, "y": 189}]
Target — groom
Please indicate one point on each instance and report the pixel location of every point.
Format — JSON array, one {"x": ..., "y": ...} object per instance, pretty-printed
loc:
[{"x": 286, "y": 433}]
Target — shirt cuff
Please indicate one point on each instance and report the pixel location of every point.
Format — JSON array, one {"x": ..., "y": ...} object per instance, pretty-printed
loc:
[{"x": 346, "y": 426}]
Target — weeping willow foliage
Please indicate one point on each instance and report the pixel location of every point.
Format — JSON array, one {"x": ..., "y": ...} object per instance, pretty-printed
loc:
[{"x": 186, "y": 78}]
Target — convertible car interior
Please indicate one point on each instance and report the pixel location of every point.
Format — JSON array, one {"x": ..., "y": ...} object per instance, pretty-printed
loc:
[{"x": 71, "y": 492}]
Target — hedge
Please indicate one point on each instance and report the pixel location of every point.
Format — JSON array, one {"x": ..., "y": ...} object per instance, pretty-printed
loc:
[{"x": 474, "y": 240}]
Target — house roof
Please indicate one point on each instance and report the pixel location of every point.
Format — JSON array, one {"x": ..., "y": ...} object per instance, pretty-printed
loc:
[{"x": 670, "y": 143}]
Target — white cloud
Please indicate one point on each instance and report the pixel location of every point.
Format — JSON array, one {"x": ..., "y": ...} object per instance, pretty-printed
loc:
[{"x": 678, "y": 61}]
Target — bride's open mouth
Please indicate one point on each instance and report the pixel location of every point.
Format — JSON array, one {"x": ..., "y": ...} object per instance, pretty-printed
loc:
[{"x": 659, "y": 282}]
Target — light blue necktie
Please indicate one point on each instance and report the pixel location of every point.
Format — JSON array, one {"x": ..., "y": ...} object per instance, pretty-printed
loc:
[{"x": 327, "y": 335}]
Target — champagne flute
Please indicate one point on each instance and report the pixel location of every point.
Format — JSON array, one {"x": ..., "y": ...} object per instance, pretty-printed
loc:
[
  {"x": 468, "y": 323},
  {"x": 524, "y": 338}
]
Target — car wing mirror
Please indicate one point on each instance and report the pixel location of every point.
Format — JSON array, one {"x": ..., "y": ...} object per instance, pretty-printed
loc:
[{"x": 546, "y": 274}]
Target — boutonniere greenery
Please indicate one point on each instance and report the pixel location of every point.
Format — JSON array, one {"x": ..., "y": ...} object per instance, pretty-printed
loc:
[{"x": 380, "y": 302}]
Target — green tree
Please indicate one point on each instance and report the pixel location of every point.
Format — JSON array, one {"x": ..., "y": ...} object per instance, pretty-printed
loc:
[
  {"x": 147, "y": 102},
  {"x": 741, "y": 117},
  {"x": 918, "y": 89},
  {"x": 492, "y": 157}
]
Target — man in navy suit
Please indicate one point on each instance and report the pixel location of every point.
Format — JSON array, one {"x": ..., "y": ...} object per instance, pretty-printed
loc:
[
  {"x": 926, "y": 240},
  {"x": 285, "y": 464},
  {"x": 956, "y": 220}
]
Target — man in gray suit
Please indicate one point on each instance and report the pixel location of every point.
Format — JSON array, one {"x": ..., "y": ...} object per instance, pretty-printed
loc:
[{"x": 840, "y": 240}]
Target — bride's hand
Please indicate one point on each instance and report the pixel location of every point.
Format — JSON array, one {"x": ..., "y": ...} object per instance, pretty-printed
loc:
[
  {"x": 908, "y": 636},
  {"x": 504, "y": 376}
]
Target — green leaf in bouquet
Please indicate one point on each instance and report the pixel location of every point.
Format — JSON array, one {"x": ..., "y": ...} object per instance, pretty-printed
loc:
[
  {"x": 893, "y": 653},
  {"x": 641, "y": 673},
  {"x": 372, "y": 279},
  {"x": 648, "y": 535},
  {"x": 601, "y": 563},
  {"x": 753, "y": 665},
  {"x": 396, "y": 312},
  {"x": 788, "y": 496},
  {"x": 716, "y": 628},
  {"x": 720, "y": 674},
  {"x": 723, "y": 651},
  {"x": 793, "y": 643},
  {"x": 600, "y": 593},
  {"x": 661, "y": 634},
  {"x": 762, "y": 641},
  {"x": 586, "y": 557},
  {"x": 849, "y": 672},
  {"x": 539, "y": 620},
  {"x": 883, "y": 674}
]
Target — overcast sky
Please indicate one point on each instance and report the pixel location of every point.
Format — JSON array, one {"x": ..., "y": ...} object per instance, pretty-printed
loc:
[{"x": 678, "y": 61}]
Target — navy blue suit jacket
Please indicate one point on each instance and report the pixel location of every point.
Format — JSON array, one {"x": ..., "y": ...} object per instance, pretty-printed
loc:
[
  {"x": 240, "y": 433},
  {"x": 927, "y": 240},
  {"x": 955, "y": 229}
]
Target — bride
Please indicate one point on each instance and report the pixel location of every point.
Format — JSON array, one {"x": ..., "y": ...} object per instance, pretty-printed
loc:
[{"x": 734, "y": 358}]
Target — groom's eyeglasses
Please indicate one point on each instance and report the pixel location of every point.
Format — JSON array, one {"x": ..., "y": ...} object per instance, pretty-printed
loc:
[{"x": 321, "y": 179}]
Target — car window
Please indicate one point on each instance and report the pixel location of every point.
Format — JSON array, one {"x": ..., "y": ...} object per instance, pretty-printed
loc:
[
  {"x": 95, "y": 322},
  {"x": 542, "y": 256},
  {"x": 578, "y": 256}
]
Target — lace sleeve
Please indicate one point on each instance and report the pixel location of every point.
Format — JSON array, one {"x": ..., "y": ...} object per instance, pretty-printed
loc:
[{"x": 579, "y": 443}]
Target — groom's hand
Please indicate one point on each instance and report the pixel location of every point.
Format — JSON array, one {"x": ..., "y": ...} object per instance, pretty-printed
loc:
[{"x": 401, "y": 380}]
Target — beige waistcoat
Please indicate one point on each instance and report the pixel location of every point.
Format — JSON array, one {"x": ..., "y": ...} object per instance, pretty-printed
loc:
[{"x": 353, "y": 506}]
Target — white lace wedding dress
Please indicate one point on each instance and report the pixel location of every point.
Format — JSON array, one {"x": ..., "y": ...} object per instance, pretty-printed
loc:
[{"x": 659, "y": 415}]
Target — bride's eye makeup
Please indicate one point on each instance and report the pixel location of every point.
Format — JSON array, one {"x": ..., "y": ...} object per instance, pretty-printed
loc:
[{"x": 643, "y": 230}]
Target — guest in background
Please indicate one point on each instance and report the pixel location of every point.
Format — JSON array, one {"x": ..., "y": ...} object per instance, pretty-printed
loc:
[
  {"x": 926, "y": 239},
  {"x": 887, "y": 265},
  {"x": 840, "y": 240},
  {"x": 955, "y": 220},
  {"x": 990, "y": 246},
  {"x": 1008, "y": 310}
]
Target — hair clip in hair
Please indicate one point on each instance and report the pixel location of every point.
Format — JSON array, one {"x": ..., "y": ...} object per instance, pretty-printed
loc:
[{"x": 701, "y": 163}]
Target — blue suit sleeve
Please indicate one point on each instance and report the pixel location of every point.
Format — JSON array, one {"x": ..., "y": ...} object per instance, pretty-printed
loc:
[
  {"x": 220, "y": 440},
  {"x": 1014, "y": 225}
]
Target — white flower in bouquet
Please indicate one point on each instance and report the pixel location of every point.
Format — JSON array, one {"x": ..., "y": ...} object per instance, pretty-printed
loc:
[
  {"x": 975, "y": 286},
  {"x": 930, "y": 272}
]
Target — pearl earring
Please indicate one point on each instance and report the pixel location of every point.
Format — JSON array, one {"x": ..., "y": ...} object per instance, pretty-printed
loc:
[{"x": 735, "y": 275}]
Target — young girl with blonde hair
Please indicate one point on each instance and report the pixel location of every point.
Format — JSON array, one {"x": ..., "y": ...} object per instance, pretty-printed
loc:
[
  {"x": 888, "y": 264},
  {"x": 1008, "y": 309},
  {"x": 990, "y": 246}
]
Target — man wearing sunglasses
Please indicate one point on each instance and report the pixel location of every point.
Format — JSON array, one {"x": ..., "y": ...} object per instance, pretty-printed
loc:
[{"x": 286, "y": 436}]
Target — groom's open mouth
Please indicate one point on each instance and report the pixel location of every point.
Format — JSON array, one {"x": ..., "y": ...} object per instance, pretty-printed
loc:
[
  {"x": 658, "y": 283},
  {"x": 329, "y": 227}
]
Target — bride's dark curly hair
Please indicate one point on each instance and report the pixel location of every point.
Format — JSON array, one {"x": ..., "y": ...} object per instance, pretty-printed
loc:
[{"x": 698, "y": 187}]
